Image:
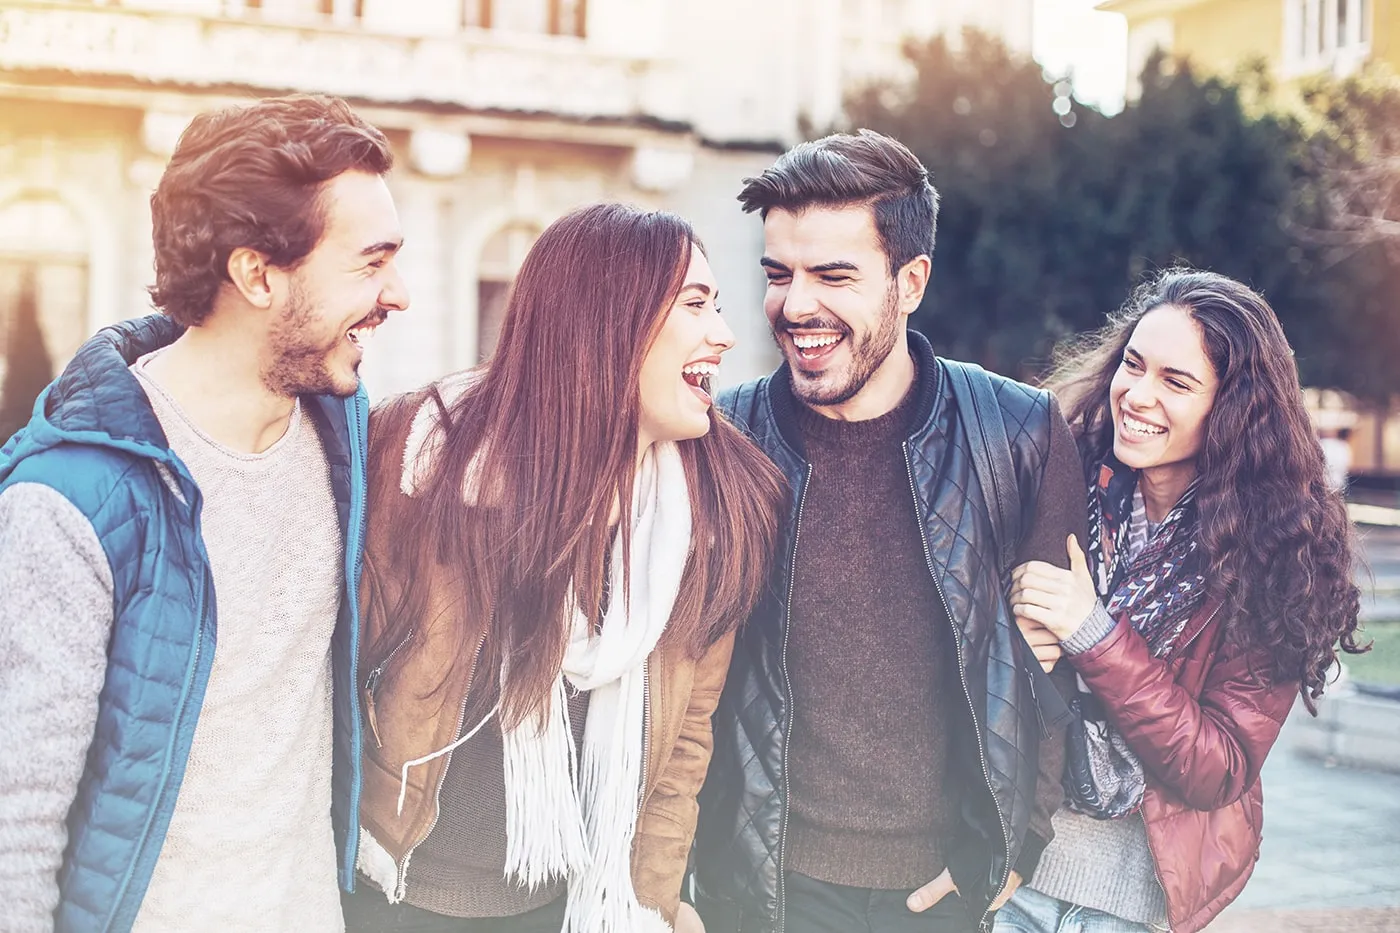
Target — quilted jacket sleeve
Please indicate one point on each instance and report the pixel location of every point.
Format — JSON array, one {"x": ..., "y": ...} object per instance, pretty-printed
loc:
[
  {"x": 667, "y": 825},
  {"x": 1207, "y": 751},
  {"x": 55, "y": 621}
]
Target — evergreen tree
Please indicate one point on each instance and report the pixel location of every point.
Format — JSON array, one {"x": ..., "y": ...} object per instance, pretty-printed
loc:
[{"x": 28, "y": 368}]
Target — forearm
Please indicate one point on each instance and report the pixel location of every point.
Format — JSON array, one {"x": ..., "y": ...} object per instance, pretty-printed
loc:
[{"x": 55, "y": 619}]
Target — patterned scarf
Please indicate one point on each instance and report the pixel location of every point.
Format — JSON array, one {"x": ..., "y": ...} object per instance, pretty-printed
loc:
[
  {"x": 1155, "y": 580},
  {"x": 1158, "y": 584}
]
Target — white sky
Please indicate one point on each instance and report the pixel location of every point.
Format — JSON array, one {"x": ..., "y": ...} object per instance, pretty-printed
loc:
[{"x": 1072, "y": 37}]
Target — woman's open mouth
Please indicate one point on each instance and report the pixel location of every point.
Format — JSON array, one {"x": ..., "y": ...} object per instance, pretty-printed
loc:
[{"x": 697, "y": 376}]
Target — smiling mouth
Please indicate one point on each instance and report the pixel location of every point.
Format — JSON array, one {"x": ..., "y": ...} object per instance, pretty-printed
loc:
[
  {"x": 699, "y": 376},
  {"x": 814, "y": 347},
  {"x": 360, "y": 334},
  {"x": 1134, "y": 427}
]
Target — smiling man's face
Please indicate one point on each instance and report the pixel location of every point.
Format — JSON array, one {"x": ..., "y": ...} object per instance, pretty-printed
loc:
[
  {"x": 832, "y": 302},
  {"x": 339, "y": 294}
]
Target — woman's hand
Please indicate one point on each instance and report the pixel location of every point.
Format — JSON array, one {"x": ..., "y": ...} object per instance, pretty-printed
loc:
[
  {"x": 1059, "y": 600},
  {"x": 688, "y": 920}
]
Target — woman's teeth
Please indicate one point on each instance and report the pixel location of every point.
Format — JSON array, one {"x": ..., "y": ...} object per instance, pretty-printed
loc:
[
  {"x": 700, "y": 369},
  {"x": 1141, "y": 428}
]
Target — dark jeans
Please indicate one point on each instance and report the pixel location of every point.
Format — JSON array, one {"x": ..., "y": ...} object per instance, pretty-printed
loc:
[
  {"x": 818, "y": 907},
  {"x": 367, "y": 911}
]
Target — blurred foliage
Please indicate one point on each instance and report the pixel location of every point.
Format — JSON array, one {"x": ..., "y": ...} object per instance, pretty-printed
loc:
[{"x": 1052, "y": 212}]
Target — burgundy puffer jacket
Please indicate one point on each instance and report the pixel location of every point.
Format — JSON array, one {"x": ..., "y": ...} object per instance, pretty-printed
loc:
[{"x": 1202, "y": 720}]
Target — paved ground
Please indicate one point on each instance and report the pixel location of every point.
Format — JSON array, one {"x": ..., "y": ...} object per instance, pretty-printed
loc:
[{"x": 1330, "y": 861}]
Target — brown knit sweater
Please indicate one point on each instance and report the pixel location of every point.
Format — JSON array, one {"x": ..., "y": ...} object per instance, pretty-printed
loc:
[
  {"x": 875, "y": 688},
  {"x": 459, "y": 870}
]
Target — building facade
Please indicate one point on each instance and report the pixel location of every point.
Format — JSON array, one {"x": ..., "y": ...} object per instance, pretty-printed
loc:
[
  {"x": 504, "y": 114},
  {"x": 1296, "y": 38}
]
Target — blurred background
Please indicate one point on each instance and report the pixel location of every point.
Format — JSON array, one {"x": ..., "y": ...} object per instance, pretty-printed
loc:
[{"x": 1076, "y": 146}]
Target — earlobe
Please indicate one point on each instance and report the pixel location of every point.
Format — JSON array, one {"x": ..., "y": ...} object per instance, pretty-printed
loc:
[{"x": 248, "y": 270}]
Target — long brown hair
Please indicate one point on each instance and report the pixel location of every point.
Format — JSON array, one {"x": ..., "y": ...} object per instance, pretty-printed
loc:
[
  {"x": 1277, "y": 537},
  {"x": 549, "y": 433}
]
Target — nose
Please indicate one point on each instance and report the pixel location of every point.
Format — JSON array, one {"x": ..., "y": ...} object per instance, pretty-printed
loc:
[
  {"x": 394, "y": 295},
  {"x": 799, "y": 303},
  {"x": 1140, "y": 395},
  {"x": 720, "y": 336}
]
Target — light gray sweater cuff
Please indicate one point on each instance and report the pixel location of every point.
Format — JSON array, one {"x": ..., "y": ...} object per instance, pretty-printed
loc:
[
  {"x": 1090, "y": 632},
  {"x": 55, "y": 622}
]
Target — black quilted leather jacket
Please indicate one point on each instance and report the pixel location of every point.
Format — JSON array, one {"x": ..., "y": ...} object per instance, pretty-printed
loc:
[{"x": 740, "y": 838}]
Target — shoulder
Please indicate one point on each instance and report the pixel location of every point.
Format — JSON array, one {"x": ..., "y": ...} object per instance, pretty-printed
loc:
[
  {"x": 93, "y": 479},
  {"x": 743, "y": 404}
]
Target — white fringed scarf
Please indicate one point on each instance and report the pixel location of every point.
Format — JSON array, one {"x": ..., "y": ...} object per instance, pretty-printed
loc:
[
  {"x": 575, "y": 820},
  {"x": 579, "y": 823}
]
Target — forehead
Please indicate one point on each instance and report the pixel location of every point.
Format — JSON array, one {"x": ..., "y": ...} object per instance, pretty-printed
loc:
[
  {"x": 1169, "y": 336},
  {"x": 820, "y": 234},
  {"x": 699, "y": 269},
  {"x": 359, "y": 211}
]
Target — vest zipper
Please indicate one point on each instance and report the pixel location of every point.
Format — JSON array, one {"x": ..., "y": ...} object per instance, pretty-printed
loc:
[
  {"x": 962, "y": 676},
  {"x": 401, "y": 885},
  {"x": 787, "y": 686},
  {"x": 357, "y": 426}
]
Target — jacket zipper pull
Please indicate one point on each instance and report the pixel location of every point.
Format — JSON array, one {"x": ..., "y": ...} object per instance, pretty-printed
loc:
[
  {"x": 1039, "y": 713},
  {"x": 371, "y": 683}
]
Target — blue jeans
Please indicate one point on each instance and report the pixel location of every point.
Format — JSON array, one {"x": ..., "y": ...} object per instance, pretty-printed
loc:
[{"x": 1029, "y": 911}]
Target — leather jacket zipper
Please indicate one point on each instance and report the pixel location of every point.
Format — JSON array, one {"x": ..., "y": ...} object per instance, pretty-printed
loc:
[
  {"x": 962, "y": 676},
  {"x": 787, "y": 687}
]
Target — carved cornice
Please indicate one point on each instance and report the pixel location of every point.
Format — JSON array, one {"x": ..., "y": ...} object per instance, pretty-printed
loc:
[{"x": 471, "y": 71}]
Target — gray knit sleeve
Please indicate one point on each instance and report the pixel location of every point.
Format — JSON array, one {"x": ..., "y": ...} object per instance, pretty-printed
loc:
[
  {"x": 55, "y": 621},
  {"x": 1090, "y": 632}
]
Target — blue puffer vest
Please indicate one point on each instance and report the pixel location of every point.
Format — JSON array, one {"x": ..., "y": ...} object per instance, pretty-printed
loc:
[{"x": 94, "y": 438}]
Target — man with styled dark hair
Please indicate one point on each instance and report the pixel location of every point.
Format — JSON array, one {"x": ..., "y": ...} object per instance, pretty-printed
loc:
[
  {"x": 882, "y": 759},
  {"x": 180, "y": 530}
]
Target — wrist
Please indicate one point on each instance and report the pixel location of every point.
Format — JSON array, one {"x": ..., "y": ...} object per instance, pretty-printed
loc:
[{"x": 1095, "y": 627}]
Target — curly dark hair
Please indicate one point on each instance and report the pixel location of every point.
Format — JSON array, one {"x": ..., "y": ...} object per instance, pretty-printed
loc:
[
  {"x": 251, "y": 177},
  {"x": 1277, "y": 537}
]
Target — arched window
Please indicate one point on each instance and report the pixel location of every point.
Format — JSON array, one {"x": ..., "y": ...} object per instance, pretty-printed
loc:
[
  {"x": 500, "y": 261},
  {"x": 43, "y": 299}
]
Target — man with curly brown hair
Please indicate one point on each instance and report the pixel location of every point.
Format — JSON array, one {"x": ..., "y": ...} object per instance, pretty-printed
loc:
[{"x": 194, "y": 477}]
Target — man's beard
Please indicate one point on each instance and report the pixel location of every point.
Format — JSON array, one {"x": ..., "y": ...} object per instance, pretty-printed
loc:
[
  {"x": 866, "y": 357},
  {"x": 300, "y": 364}
]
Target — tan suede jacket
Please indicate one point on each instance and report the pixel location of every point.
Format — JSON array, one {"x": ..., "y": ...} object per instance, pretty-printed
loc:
[{"x": 402, "y": 724}]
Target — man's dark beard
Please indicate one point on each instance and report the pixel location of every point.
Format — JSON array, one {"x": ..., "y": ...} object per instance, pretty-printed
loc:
[
  {"x": 866, "y": 357},
  {"x": 299, "y": 365}
]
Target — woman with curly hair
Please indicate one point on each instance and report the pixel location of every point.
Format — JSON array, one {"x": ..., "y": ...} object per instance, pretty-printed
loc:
[{"x": 1217, "y": 583}]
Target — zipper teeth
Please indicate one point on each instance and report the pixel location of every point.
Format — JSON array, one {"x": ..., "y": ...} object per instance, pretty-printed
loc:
[
  {"x": 359, "y": 434},
  {"x": 402, "y": 884},
  {"x": 962, "y": 676},
  {"x": 646, "y": 733},
  {"x": 787, "y": 685},
  {"x": 372, "y": 681}
]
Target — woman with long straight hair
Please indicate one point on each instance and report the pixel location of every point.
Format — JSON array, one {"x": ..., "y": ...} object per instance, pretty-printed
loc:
[
  {"x": 1217, "y": 585},
  {"x": 562, "y": 543}
]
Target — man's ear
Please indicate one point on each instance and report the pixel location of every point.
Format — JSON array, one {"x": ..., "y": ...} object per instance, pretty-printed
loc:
[
  {"x": 911, "y": 281},
  {"x": 248, "y": 270}
]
